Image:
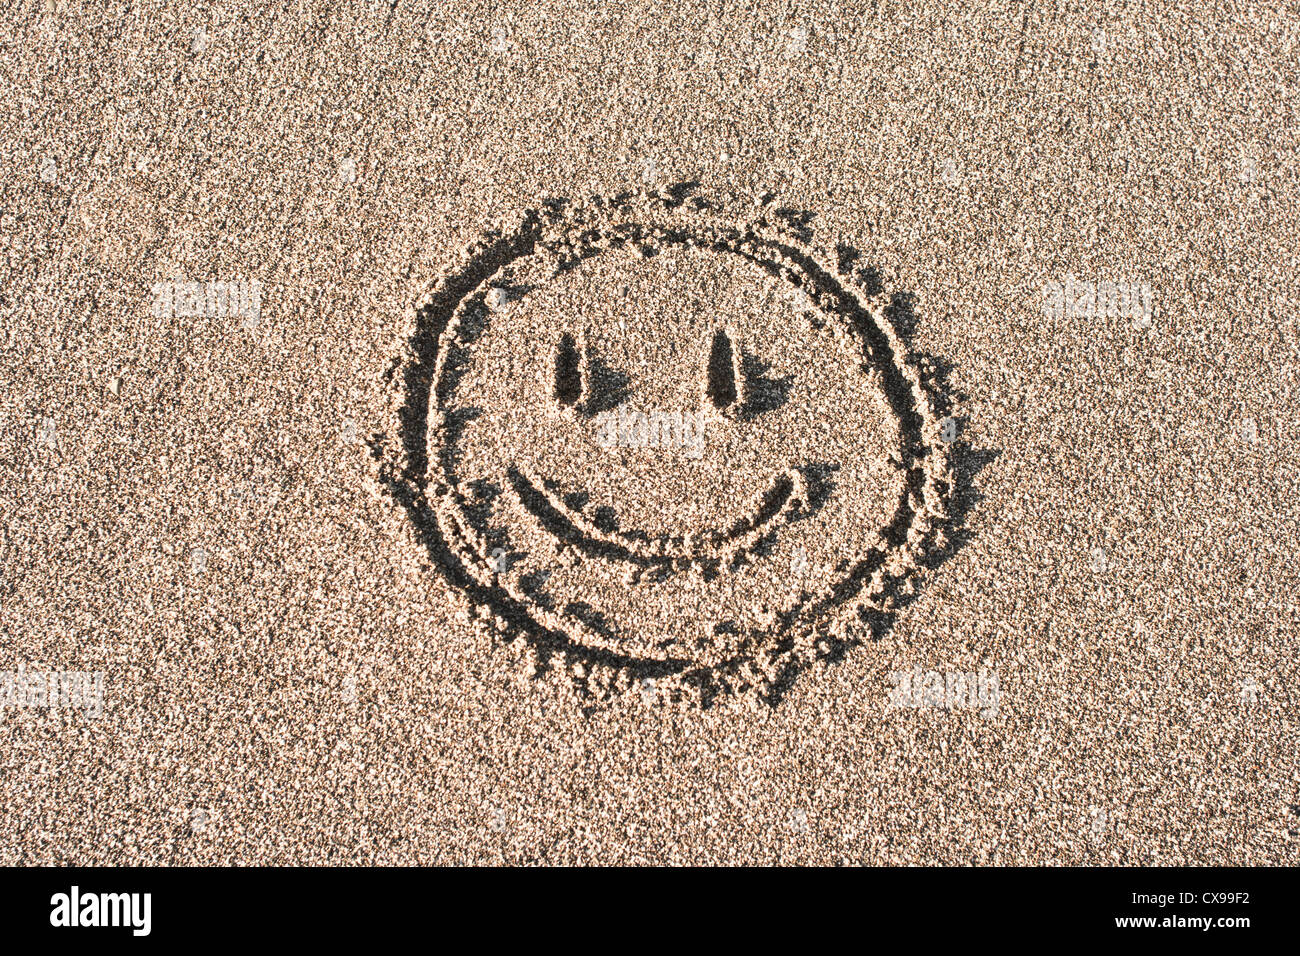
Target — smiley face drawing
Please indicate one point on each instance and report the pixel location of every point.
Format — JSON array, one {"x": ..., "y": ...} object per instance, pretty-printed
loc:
[{"x": 659, "y": 449}]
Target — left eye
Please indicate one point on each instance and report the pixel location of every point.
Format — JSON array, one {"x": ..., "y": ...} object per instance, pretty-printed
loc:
[{"x": 724, "y": 376}]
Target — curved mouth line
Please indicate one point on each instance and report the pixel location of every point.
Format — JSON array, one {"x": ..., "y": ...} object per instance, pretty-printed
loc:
[{"x": 787, "y": 495}]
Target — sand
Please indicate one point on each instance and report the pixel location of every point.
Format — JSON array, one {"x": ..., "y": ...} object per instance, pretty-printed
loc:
[{"x": 950, "y": 517}]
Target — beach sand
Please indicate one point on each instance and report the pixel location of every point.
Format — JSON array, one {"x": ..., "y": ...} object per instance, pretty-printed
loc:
[{"x": 998, "y": 303}]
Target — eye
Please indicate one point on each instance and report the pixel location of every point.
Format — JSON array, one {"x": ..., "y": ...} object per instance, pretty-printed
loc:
[
  {"x": 724, "y": 376},
  {"x": 567, "y": 362},
  {"x": 582, "y": 381}
]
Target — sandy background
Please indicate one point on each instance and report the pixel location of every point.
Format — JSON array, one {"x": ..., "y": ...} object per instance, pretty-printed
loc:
[{"x": 306, "y": 693}]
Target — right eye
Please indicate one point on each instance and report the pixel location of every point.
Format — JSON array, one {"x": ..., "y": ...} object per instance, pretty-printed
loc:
[
  {"x": 567, "y": 387},
  {"x": 723, "y": 372}
]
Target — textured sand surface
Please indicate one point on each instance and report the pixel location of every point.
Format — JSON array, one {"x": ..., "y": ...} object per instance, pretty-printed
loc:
[{"x": 194, "y": 505}]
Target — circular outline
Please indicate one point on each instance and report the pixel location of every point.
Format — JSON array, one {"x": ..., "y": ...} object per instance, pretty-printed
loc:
[{"x": 881, "y": 574}]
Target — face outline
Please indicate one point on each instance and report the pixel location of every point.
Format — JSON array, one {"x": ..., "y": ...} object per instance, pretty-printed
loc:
[{"x": 448, "y": 518}]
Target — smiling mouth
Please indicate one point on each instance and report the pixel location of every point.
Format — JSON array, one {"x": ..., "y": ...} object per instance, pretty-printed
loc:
[{"x": 786, "y": 497}]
